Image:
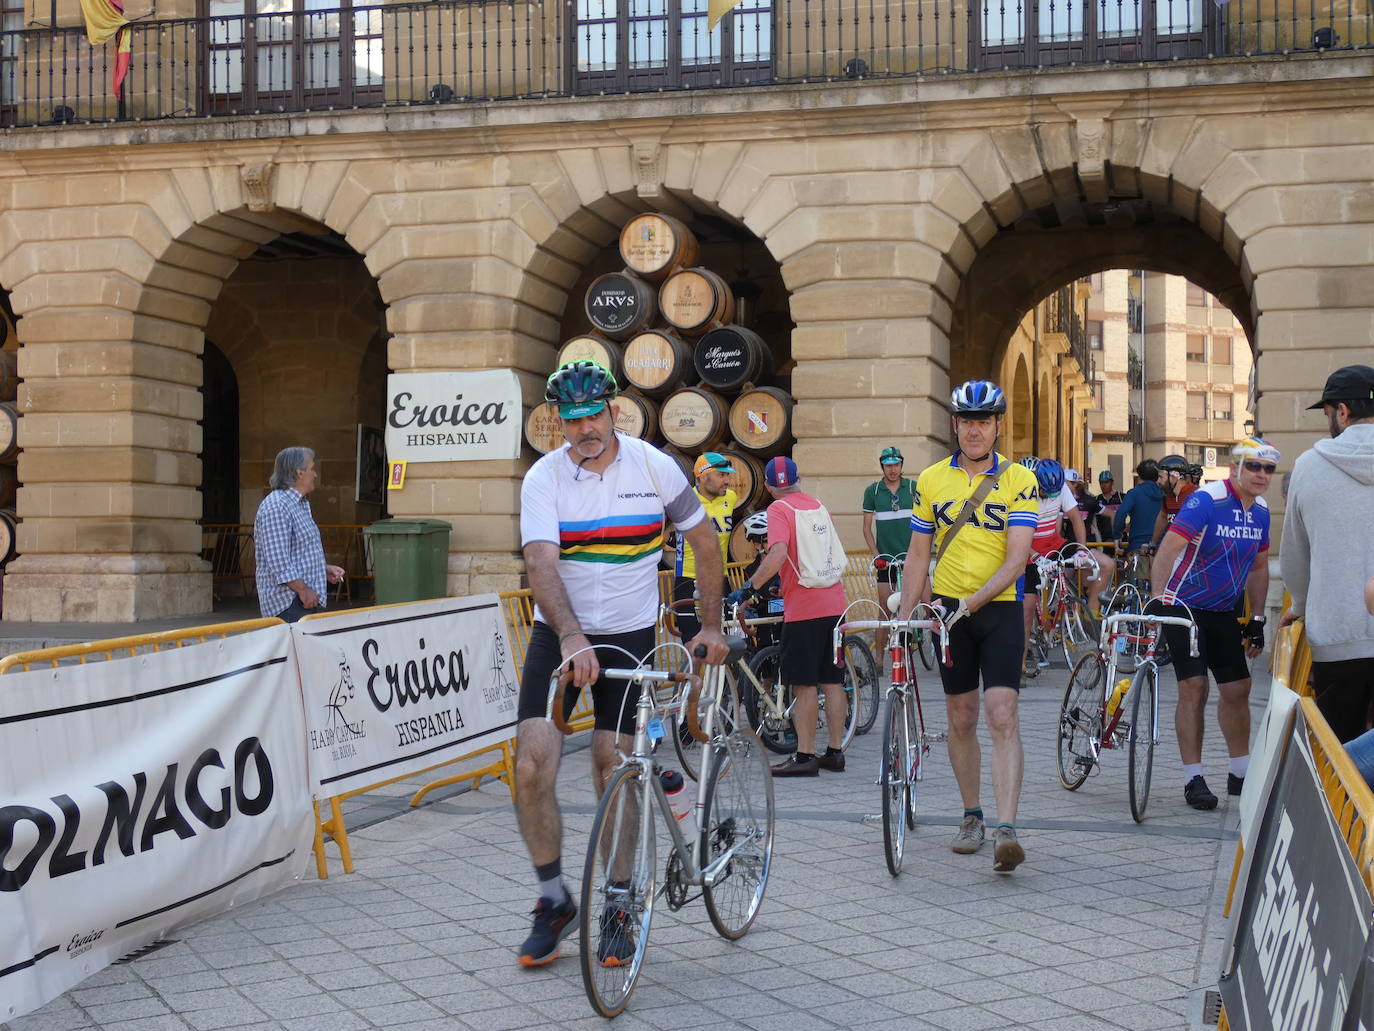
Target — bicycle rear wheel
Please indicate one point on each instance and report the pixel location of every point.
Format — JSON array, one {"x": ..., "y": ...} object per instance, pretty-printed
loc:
[
  {"x": 1126, "y": 599},
  {"x": 862, "y": 678},
  {"x": 1080, "y": 722},
  {"x": 893, "y": 780},
  {"x": 618, "y": 891},
  {"x": 738, "y": 816},
  {"x": 773, "y": 728},
  {"x": 689, "y": 748},
  {"x": 1142, "y": 738}
]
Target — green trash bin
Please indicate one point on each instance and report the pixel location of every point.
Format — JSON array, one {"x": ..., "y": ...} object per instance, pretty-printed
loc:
[{"x": 409, "y": 559}]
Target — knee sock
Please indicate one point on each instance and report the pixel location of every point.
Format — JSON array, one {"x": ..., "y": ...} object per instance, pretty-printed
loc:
[
  {"x": 1239, "y": 765},
  {"x": 550, "y": 877}
]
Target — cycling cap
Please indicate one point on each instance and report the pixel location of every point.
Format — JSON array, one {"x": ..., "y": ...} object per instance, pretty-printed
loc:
[
  {"x": 1255, "y": 448},
  {"x": 1352, "y": 383},
  {"x": 756, "y": 525},
  {"x": 712, "y": 460},
  {"x": 1071, "y": 476},
  {"x": 1105, "y": 475},
  {"x": 890, "y": 456},
  {"x": 1051, "y": 476},
  {"x": 780, "y": 472},
  {"x": 580, "y": 388},
  {"x": 1030, "y": 462},
  {"x": 978, "y": 397},
  {"x": 1174, "y": 464}
]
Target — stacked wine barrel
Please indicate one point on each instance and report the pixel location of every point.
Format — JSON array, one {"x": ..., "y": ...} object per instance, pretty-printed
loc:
[{"x": 692, "y": 380}]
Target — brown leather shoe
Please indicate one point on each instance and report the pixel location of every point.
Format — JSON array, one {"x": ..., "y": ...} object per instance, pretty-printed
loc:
[
  {"x": 832, "y": 761},
  {"x": 795, "y": 767}
]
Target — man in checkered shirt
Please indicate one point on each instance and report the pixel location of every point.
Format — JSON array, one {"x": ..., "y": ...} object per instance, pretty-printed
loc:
[{"x": 291, "y": 569}]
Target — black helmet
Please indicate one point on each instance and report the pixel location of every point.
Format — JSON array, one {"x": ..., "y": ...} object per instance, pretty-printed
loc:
[
  {"x": 580, "y": 388},
  {"x": 1174, "y": 464}
]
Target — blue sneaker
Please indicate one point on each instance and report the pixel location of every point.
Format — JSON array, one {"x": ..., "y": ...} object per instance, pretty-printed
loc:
[
  {"x": 552, "y": 923},
  {"x": 617, "y": 945}
]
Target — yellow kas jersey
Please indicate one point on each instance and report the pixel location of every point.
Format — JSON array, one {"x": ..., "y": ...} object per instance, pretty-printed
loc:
[{"x": 721, "y": 513}]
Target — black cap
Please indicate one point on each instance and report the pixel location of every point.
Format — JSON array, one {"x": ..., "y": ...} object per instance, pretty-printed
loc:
[{"x": 1352, "y": 383}]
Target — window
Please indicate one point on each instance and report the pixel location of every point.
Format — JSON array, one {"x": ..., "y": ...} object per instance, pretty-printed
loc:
[
  {"x": 1221, "y": 350},
  {"x": 648, "y": 44},
  {"x": 1197, "y": 348},
  {"x": 1197, "y": 405},
  {"x": 11, "y": 20},
  {"x": 1095, "y": 334},
  {"x": 1221, "y": 406},
  {"x": 1197, "y": 297},
  {"x": 1193, "y": 452},
  {"x": 291, "y": 53},
  {"x": 1095, "y": 281}
]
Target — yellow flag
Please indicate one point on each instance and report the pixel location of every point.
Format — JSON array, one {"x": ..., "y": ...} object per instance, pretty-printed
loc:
[
  {"x": 715, "y": 11},
  {"x": 103, "y": 20}
]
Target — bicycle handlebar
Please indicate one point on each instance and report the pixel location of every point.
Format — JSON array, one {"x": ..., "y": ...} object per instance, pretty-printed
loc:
[
  {"x": 1160, "y": 620},
  {"x": 887, "y": 624}
]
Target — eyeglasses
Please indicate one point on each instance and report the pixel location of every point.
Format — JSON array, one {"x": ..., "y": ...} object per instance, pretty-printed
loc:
[{"x": 1260, "y": 467}]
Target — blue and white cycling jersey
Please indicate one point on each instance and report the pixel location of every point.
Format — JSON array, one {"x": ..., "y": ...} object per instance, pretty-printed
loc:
[{"x": 1223, "y": 539}]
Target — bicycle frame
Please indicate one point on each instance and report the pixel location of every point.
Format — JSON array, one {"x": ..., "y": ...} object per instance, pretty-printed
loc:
[
  {"x": 1107, "y": 654},
  {"x": 899, "y": 651}
]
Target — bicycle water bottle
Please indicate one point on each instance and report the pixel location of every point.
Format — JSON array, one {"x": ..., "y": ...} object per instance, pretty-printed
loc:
[
  {"x": 681, "y": 804},
  {"x": 1114, "y": 703}
]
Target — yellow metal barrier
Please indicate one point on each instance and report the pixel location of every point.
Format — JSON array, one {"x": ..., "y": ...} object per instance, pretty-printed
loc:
[{"x": 127, "y": 647}]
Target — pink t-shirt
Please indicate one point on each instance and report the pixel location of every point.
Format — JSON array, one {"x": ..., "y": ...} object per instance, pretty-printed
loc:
[{"x": 800, "y": 602}]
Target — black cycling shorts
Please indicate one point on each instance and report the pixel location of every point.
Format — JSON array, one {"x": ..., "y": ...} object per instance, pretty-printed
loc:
[
  {"x": 1030, "y": 579},
  {"x": 1220, "y": 647},
  {"x": 808, "y": 652},
  {"x": 886, "y": 575},
  {"x": 613, "y": 700},
  {"x": 988, "y": 643},
  {"x": 684, "y": 588}
]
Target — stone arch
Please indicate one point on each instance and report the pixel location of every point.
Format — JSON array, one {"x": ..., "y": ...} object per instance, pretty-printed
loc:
[{"x": 1023, "y": 410}]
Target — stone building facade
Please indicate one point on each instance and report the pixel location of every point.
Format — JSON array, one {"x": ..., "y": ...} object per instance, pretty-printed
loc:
[{"x": 910, "y": 223}]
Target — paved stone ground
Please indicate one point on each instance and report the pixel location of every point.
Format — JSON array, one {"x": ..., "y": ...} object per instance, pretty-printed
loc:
[{"x": 1107, "y": 925}]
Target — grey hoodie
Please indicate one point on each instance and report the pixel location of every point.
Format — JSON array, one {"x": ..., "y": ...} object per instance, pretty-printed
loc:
[{"x": 1327, "y": 552}]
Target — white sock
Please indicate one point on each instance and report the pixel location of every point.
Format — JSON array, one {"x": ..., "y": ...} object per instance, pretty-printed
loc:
[
  {"x": 1191, "y": 770},
  {"x": 1239, "y": 765},
  {"x": 553, "y": 890}
]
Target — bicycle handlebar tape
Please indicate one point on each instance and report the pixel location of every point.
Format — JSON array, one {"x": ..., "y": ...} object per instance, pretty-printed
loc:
[{"x": 559, "y": 719}]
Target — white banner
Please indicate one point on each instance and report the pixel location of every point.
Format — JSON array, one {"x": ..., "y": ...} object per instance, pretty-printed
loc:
[
  {"x": 453, "y": 416},
  {"x": 141, "y": 794},
  {"x": 393, "y": 690}
]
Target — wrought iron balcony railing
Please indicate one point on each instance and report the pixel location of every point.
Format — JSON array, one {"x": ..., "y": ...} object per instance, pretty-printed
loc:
[{"x": 459, "y": 51}]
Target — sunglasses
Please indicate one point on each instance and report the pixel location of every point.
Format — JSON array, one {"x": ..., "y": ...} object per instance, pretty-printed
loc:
[{"x": 1260, "y": 467}]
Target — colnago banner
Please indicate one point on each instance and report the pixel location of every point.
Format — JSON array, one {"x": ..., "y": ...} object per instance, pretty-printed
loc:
[
  {"x": 453, "y": 416},
  {"x": 141, "y": 794},
  {"x": 390, "y": 691}
]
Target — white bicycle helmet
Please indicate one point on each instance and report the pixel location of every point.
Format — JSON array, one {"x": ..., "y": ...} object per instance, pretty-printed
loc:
[{"x": 756, "y": 525}]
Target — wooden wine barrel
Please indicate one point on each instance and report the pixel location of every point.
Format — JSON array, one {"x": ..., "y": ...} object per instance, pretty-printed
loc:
[
  {"x": 694, "y": 300},
  {"x": 590, "y": 347},
  {"x": 742, "y": 549},
  {"x": 657, "y": 362},
  {"x": 684, "y": 461},
  {"x": 748, "y": 479},
  {"x": 694, "y": 420},
  {"x": 619, "y": 305},
  {"x": 653, "y": 246},
  {"x": 638, "y": 416},
  {"x": 9, "y": 485},
  {"x": 9, "y": 375},
  {"x": 543, "y": 430},
  {"x": 9, "y": 433},
  {"x": 761, "y": 420},
  {"x": 732, "y": 356},
  {"x": 8, "y": 521}
]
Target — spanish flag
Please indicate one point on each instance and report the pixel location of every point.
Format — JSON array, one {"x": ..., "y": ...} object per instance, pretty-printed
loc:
[
  {"x": 105, "y": 18},
  {"x": 715, "y": 11}
]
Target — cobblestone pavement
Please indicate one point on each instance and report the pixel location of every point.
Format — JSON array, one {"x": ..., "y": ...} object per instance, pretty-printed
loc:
[{"x": 1107, "y": 925}]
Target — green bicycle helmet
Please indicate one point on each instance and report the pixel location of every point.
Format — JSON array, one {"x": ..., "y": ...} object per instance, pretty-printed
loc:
[
  {"x": 890, "y": 456},
  {"x": 580, "y": 388}
]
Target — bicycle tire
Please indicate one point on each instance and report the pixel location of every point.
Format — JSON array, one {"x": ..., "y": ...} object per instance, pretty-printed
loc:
[
  {"x": 618, "y": 877},
  {"x": 738, "y": 812},
  {"x": 892, "y": 781},
  {"x": 687, "y": 747},
  {"x": 1080, "y": 721},
  {"x": 925, "y": 648},
  {"x": 775, "y": 731},
  {"x": 1072, "y": 639},
  {"x": 854, "y": 676},
  {"x": 1142, "y": 738},
  {"x": 863, "y": 673},
  {"x": 1126, "y": 599},
  {"x": 916, "y": 750}
]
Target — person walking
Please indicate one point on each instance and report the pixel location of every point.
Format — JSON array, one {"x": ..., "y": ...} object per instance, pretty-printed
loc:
[
  {"x": 292, "y": 575},
  {"x": 712, "y": 472},
  {"x": 887, "y": 528},
  {"x": 976, "y": 511},
  {"x": 1327, "y": 550},
  {"x": 809, "y": 613},
  {"x": 1214, "y": 553},
  {"x": 592, "y": 516}
]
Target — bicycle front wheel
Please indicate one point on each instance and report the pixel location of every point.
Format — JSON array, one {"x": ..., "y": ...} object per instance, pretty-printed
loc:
[
  {"x": 738, "y": 823},
  {"x": 1142, "y": 737},
  {"x": 893, "y": 780},
  {"x": 1080, "y": 722},
  {"x": 618, "y": 892},
  {"x": 770, "y": 721},
  {"x": 861, "y": 673}
]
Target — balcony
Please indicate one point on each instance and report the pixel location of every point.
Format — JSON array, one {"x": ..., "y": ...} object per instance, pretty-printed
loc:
[{"x": 468, "y": 51}]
